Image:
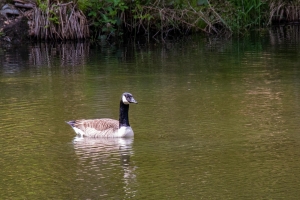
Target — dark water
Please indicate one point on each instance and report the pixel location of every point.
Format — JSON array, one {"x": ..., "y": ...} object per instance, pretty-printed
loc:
[{"x": 216, "y": 119}]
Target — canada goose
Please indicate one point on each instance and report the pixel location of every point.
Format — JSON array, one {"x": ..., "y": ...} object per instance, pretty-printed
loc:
[{"x": 107, "y": 127}]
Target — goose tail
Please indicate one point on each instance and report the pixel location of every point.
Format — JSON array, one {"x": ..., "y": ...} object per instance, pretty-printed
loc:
[
  {"x": 71, "y": 123},
  {"x": 77, "y": 130}
]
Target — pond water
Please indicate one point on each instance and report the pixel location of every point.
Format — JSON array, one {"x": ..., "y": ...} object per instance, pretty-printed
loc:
[{"x": 215, "y": 119}]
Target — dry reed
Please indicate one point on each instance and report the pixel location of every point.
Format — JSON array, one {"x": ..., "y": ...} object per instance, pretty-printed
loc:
[
  {"x": 61, "y": 21},
  {"x": 282, "y": 10}
]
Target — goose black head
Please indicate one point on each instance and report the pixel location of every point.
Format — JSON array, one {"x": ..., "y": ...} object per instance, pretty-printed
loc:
[{"x": 127, "y": 98}]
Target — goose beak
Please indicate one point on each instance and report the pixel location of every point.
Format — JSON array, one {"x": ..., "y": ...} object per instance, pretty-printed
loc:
[{"x": 132, "y": 100}]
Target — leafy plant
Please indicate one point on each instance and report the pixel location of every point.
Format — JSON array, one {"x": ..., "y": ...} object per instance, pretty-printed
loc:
[
  {"x": 106, "y": 16},
  {"x": 43, "y": 5},
  {"x": 53, "y": 17},
  {"x": 83, "y": 5},
  {"x": 246, "y": 14}
]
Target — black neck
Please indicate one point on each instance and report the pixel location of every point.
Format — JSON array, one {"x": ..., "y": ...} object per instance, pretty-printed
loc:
[{"x": 123, "y": 117}]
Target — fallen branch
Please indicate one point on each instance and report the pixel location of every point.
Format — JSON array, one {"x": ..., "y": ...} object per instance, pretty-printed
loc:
[{"x": 27, "y": 5}]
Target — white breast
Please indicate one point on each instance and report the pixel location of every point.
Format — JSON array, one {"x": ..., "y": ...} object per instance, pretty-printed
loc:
[{"x": 125, "y": 131}]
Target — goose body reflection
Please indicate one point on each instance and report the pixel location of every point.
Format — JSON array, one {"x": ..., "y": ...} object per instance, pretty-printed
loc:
[
  {"x": 106, "y": 161},
  {"x": 107, "y": 128},
  {"x": 109, "y": 145}
]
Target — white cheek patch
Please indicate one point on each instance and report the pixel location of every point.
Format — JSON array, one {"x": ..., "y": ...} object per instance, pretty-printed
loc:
[{"x": 124, "y": 100}]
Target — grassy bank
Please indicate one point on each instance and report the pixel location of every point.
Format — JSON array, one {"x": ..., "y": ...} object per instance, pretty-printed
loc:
[{"x": 104, "y": 19}]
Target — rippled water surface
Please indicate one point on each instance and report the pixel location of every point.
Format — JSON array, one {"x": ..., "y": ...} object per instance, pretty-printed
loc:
[{"x": 216, "y": 119}]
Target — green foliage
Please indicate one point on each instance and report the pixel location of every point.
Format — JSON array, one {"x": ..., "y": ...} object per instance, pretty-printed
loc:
[
  {"x": 43, "y": 5},
  {"x": 52, "y": 10},
  {"x": 84, "y": 4},
  {"x": 106, "y": 16},
  {"x": 245, "y": 14},
  {"x": 111, "y": 17},
  {"x": 53, "y": 16}
]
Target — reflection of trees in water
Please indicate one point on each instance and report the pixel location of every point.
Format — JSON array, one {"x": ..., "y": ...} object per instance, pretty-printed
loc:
[
  {"x": 282, "y": 34},
  {"x": 105, "y": 168},
  {"x": 12, "y": 59},
  {"x": 64, "y": 54},
  {"x": 71, "y": 56}
]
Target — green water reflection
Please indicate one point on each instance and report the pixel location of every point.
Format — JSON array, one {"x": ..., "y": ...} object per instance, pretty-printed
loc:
[{"x": 215, "y": 120}]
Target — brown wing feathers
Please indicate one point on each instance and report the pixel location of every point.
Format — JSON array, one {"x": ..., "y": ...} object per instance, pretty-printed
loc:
[{"x": 97, "y": 124}]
